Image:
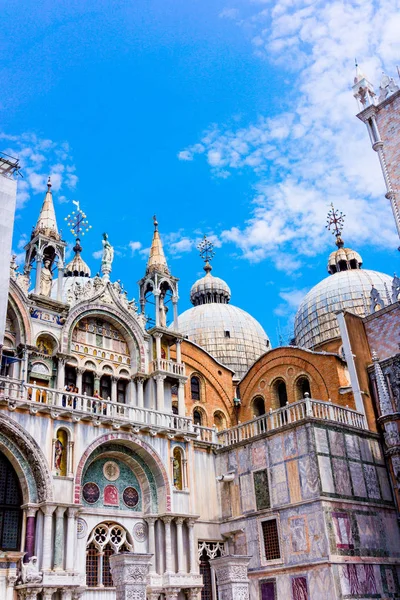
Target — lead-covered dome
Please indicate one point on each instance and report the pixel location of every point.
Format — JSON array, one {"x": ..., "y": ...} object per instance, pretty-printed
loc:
[
  {"x": 227, "y": 332},
  {"x": 316, "y": 322}
]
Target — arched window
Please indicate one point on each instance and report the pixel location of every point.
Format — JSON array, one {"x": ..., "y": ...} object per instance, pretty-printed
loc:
[
  {"x": 121, "y": 390},
  {"x": 60, "y": 453},
  {"x": 219, "y": 420},
  {"x": 302, "y": 387},
  {"x": 106, "y": 539},
  {"x": 105, "y": 387},
  {"x": 197, "y": 420},
  {"x": 281, "y": 393},
  {"x": 10, "y": 506},
  {"x": 177, "y": 467},
  {"x": 88, "y": 383},
  {"x": 195, "y": 387},
  {"x": 258, "y": 406}
]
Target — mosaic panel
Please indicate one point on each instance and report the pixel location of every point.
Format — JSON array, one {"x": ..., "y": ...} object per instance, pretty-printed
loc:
[
  {"x": 371, "y": 481},
  {"x": 321, "y": 440},
  {"x": 357, "y": 479},
  {"x": 111, "y": 495},
  {"x": 342, "y": 477}
]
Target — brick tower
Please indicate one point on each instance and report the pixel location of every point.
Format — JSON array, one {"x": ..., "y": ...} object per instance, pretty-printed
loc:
[{"x": 381, "y": 114}]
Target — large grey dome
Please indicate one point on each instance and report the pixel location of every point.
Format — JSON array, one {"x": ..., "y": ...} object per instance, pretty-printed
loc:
[
  {"x": 315, "y": 320},
  {"x": 227, "y": 332}
]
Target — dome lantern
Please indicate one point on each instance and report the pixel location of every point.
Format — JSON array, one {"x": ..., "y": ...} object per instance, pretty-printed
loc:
[{"x": 209, "y": 289}]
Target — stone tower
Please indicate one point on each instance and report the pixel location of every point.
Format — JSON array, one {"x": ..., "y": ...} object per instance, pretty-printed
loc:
[{"x": 381, "y": 114}]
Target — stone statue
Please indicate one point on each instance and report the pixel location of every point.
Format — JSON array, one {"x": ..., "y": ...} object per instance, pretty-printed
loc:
[
  {"x": 108, "y": 255},
  {"x": 163, "y": 311},
  {"x": 58, "y": 454},
  {"x": 46, "y": 278},
  {"x": 30, "y": 571}
]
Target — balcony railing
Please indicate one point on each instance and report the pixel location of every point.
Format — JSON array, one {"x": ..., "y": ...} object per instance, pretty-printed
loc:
[
  {"x": 35, "y": 398},
  {"x": 292, "y": 413},
  {"x": 168, "y": 366}
]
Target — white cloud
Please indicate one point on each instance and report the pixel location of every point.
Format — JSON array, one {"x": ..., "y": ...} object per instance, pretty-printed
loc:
[
  {"x": 229, "y": 13},
  {"x": 180, "y": 247},
  {"x": 315, "y": 151},
  {"x": 38, "y": 159},
  {"x": 97, "y": 254},
  {"x": 135, "y": 246}
]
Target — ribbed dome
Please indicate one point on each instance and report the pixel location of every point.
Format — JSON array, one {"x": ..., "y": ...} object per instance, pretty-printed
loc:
[
  {"x": 343, "y": 259},
  {"x": 210, "y": 289},
  {"x": 228, "y": 333},
  {"x": 315, "y": 320},
  {"x": 77, "y": 266}
]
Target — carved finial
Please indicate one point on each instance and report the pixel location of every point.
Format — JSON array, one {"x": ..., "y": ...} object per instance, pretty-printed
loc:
[
  {"x": 77, "y": 221},
  {"x": 155, "y": 223},
  {"x": 206, "y": 251},
  {"x": 335, "y": 221},
  {"x": 49, "y": 184}
]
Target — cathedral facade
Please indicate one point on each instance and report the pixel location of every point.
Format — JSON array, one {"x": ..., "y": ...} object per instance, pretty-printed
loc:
[{"x": 186, "y": 450}]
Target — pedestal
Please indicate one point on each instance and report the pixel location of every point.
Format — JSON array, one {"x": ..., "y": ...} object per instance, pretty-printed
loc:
[
  {"x": 129, "y": 572},
  {"x": 231, "y": 572}
]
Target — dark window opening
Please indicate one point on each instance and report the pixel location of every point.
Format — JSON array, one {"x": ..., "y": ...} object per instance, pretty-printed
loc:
[
  {"x": 10, "y": 506},
  {"x": 227, "y": 334},
  {"x": 197, "y": 417},
  {"x": 88, "y": 383},
  {"x": 70, "y": 376},
  {"x": 271, "y": 539},
  {"x": 195, "y": 388},
  {"x": 268, "y": 590},
  {"x": 282, "y": 393},
  {"x": 121, "y": 391},
  {"x": 105, "y": 387},
  {"x": 258, "y": 406},
  {"x": 303, "y": 388}
]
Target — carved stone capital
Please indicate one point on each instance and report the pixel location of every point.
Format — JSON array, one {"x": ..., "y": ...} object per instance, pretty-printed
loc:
[
  {"x": 167, "y": 519},
  {"x": 47, "y": 593},
  {"x": 179, "y": 521},
  {"x": 60, "y": 510},
  {"x": 48, "y": 509},
  {"x": 72, "y": 512}
]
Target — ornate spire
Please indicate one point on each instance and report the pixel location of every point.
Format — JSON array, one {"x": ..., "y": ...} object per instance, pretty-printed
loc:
[
  {"x": 79, "y": 225},
  {"x": 46, "y": 223},
  {"x": 157, "y": 260},
  {"x": 206, "y": 251}
]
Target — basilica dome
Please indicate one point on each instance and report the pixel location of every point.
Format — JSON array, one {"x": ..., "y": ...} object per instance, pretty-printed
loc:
[
  {"x": 347, "y": 288},
  {"x": 227, "y": 332}
]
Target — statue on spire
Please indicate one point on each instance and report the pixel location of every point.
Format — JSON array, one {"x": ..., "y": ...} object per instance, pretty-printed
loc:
[
  {"x": 206, "y": 251},
  {"x": 108, "y": 256},
  {"x": 335, "y": 220}
]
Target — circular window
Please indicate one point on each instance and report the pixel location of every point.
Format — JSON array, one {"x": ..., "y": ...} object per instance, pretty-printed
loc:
[
  {"x": 111, "y": 470},
  {"x": 91, "y": 492},
  {"x": 130, "y": 496}
]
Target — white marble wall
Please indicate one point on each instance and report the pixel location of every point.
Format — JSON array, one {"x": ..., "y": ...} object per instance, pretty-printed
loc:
[{"x": 8, "y": 196}]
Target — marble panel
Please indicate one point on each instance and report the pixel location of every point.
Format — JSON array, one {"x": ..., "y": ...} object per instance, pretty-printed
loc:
[
  {"x": 352, "y": 446},
  {"x": 371, "y": 481},
  {"x": 279, "y": 487},
  {"x": 309, "y": 477},
  {"x": 294, "y": 480},
  {"x": 365, "y": 448},
  {"x": 259, "y": 454},
  {"x": 302, "y": 441},
  {"x": 243, "y": 459},
  {"x": 299, "y": 540},
  {"x": 342, "y": 477},
  {"x": 235, "y": 498},
  {"x": 321, "y": 440},
  {"x": 384, "y": 483},
  {"x": 357, "y": 479},
  {"x": 246, "y": 492},
  {"x": 377, "y": 452},
  {"x": 321, "y": 585},
  {"x": 226, "y": 500},
  {"x": 232, "y": 461},
  {"x": 336, "y": 442},
  {"x": 275, "y": 450},
  {"x": 325, "y": 472},
  {"x": 369, "y": 531},
  {"x": 357, "y": 580},
  {"x": 261, "y": 489},
  {"x": 289, "y": 444}
]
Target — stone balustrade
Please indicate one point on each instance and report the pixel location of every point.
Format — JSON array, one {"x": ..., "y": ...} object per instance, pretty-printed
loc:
[
  {"x": 304, "y": 409},
  {"x": 38, "y": 399},
  {"x": 168, "y": 366}
]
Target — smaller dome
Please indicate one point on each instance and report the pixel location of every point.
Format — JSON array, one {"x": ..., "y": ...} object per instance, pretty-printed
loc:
[
  {"x": 343, "y": 259},
  {"x": 210, "y": 289},
  {"x": 77, "y": 266}
]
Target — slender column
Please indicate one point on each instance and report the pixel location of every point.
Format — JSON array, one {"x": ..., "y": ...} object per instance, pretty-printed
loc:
[
  {"x": 160, "y": 392},
  {"x": 178, "y": 351},
  {"x": 29, "y": 594},
  {"x": 157, "y": 303},
  {"x": 168, "y": 544},
  {"x": 66, "y": 594},
  {"x": 151, "y": 521},
  {"x": 30, "y": 532},
  {"x": 60, "y": 280},
  {"x": 38, "y": 272},
  {"x": 61, "y": 373},
  {"x": 47, "y": 531},
  {"x": 181, "y": 398},
  {"x": 158, "y": 337},
  {"x": 175, "y": 308},
  {"x": 131, "y": 392},
  {"x": 25, "y": 364},
  {"x": 139, "y": 383},
  {"x": 355, "y": 384},
  {"x": 47, "y": 593},
  {"x": 192, "y": 549},
  {"x": 179, "y": 543},
  {"x": 59, "y": 539},
  {"x": 97, "y": 382},
  {"x": 79, "y": 373},
  {"x": 114, "y": 389},
  {"x": 71, "y": 533}
]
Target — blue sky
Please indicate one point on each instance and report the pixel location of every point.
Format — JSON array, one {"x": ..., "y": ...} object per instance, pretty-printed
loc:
[{"x": 231, "y": 118}]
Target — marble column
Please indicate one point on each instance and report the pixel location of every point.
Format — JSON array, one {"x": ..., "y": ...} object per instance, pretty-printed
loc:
[
  {"x": 30, "y": 532},
  {"x": 131, "y": 393},
  {"x": 71, "y": 535},
  {"x": 158, "y": 337},
  {"x": 175, "y": 308},
  {"x": 151, "y": 521},
  {"x": 66, "y": 594},
  {"x": 160, "y": 392},
  {"x": 79, "y": 373},
  {"x": 38, "y": 272},
  {"x": 48, "y": 511},
  {"x": 181, "y": 398},
  {"x": 59, "y": 539},
  {"x": 139, "y": 383},
  {"x": 60, "y": 280},
  {"x": 61, "y": 373},
  {"x": 157, "y": 303},
  {"x": 130, "y": 573},
  {"x": 114, "y": 389},
  {"x": 29, "y": 594},
  {"x": 231, "y": 573},
  {"x": 168, "y": 544},
  {"x": 47, "y": 593},
  {"x": 96, "y": 380},
  {"x": 178, "y": 351},
  {"x": 192, "y": 550},
  {"x": 179, "y": 544}
]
